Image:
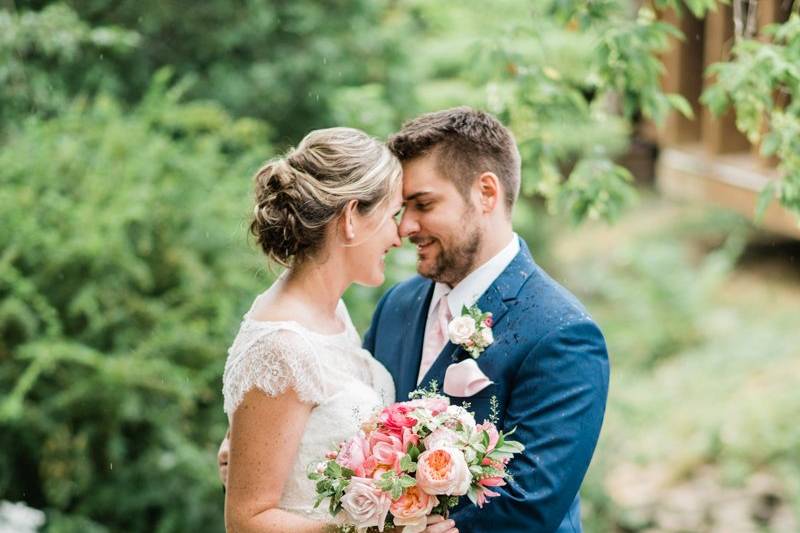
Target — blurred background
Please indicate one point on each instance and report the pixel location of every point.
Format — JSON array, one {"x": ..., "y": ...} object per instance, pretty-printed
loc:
[{"x": 661, "y": 145}]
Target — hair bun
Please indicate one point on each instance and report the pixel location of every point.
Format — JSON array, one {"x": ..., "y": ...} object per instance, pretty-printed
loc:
[
  {"x": 276, "y": 224},
  {"x": 298, "y": 195}
]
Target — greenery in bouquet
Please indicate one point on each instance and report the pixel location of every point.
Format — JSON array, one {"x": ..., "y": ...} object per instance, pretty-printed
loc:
[{"x": 410, "y": 460}]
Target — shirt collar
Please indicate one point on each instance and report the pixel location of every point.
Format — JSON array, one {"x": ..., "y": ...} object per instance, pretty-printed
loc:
[{"x": 470, "y": 289}]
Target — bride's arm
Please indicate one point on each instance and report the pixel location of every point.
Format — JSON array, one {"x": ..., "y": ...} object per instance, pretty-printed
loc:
[{"x": 265, "y": 436}]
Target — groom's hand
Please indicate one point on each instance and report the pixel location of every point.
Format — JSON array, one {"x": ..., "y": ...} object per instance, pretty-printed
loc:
[
  {"x": 222, "y": 458},
  {"x": 437, "y": 524}
]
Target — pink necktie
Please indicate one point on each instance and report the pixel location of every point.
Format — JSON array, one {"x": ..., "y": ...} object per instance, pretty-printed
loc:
[{"x": 435, "y": 337}]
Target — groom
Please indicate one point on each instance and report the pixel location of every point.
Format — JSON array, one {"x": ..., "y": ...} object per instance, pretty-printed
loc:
[{"x": 547, "y": 368}]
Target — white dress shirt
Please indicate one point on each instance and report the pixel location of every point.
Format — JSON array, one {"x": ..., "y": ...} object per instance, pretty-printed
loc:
[{"x": 471, "y": 288}]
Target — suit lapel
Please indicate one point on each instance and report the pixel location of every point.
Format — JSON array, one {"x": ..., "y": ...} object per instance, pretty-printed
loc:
[
  {"x": 504, "y": 289},
  {"x": 411, "y": 351}
]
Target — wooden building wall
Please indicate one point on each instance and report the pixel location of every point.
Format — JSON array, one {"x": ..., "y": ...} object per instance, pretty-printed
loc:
[{"x": 708, "y": 158}]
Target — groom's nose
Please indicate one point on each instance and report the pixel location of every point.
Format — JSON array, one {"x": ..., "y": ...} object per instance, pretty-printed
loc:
[{"x": 408, "y": 224}]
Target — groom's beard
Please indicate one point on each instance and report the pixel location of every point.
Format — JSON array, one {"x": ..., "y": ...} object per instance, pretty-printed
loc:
[{"x": 456, "y": 260}]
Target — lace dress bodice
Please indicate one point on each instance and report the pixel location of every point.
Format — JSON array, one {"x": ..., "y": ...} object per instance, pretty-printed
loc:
[{"x": 344, "y": 383}]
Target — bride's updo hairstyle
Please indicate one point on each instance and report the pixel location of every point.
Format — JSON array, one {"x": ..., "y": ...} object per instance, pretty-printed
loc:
[{"x": 300, "y": 194}]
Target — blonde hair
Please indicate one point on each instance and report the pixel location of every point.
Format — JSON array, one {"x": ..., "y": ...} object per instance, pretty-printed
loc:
[{"x": 300, "y": 194}]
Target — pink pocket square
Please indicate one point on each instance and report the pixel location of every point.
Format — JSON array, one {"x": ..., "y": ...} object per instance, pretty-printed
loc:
[{"x": 465, "y": 379}]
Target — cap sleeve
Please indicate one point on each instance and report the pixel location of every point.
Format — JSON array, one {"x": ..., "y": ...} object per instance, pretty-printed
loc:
[{"x": 273, "y": 363}]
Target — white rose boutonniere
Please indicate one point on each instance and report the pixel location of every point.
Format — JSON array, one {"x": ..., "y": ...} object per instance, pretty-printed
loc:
[{"x": 472, "y": 330}]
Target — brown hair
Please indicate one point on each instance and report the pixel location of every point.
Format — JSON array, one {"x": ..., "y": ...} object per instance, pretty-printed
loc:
[
  {"x": 299, "y": 194},
  {"x": 466, "y": 143}
]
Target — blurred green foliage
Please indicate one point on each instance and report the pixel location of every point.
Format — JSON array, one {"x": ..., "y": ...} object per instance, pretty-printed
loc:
[
  {"x": 762, "y": 84},
  {"x": 697, "y": 435},
  {"x": 121, "y": 286},
  {"x": 286, "y": 62}
]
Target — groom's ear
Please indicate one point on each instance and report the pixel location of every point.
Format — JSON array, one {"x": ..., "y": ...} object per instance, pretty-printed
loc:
[{"x": 489, "y": 191}]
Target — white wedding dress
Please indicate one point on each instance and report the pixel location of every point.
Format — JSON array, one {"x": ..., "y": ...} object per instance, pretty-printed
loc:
[{"x": 343, "y": 382}]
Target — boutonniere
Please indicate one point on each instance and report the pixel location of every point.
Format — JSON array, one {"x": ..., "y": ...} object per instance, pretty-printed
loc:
[{"x": 472, "y": 330}]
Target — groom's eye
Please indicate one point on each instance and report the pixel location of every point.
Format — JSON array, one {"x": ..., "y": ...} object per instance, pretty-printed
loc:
[{"x": 423, "y": 206}]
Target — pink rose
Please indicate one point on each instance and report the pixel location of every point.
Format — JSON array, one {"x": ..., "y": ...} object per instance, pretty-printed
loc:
[
  {"x": 443, "y": 471},
  {"x": 388, "y": 449},
  {"x": 394, "y": 418},
  {"x": 412, "y": 509},
  {"x": 365, "y": 504},
  {"x": 354, "y": 454},
  {"x": 440, "y": 437}
]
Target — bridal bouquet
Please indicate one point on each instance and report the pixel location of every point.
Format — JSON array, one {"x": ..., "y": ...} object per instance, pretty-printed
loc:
[{"x": 410, "y": 460}]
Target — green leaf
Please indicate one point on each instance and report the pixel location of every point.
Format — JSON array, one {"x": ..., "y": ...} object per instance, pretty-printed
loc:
[
  {"x": 407, "y": 481},
  {"x": 333, "y": 469},
  {"x": 413, "y": 452},
  {"x": 765, "y": 197},
  {"x": 681, "y": 104},
  {"x": 397, "y": 491},
  {"x": 770, "y": 143}
]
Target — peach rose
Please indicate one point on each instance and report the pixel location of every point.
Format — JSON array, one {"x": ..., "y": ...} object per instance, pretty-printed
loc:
[
  {"x": 412, "y": 509},
  {"x": 365, "y": 504},
  {"x": 443, "y": 471}
]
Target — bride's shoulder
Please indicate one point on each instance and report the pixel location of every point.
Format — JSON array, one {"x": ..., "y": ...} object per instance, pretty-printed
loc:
[{"x": 272, "y": 358}]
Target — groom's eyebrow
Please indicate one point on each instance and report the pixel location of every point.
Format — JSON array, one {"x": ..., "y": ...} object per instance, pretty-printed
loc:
[{"x": 416, "y": 195}]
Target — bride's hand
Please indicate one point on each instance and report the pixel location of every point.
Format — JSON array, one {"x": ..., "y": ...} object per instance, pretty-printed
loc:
[{"x": 437, "y": 524}]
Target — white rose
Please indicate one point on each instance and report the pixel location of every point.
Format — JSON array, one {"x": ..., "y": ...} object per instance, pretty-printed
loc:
[
  {"x": 461, "y": 329},
  {"x": 365, "y": 504},
  {"x": 462, "y": 415},
  {"x": 440, "y": 437},
  {"x": 487, "y": 337}
]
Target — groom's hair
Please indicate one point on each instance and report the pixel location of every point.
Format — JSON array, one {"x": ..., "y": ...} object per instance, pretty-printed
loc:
[{"x": 466, "y": 143}]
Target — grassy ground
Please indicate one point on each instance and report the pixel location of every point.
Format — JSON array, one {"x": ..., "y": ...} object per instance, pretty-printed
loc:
[{"x": 702, "y": 318}]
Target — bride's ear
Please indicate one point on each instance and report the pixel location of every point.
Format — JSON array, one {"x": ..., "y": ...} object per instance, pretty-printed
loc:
[{"x": 348, "y": 221}]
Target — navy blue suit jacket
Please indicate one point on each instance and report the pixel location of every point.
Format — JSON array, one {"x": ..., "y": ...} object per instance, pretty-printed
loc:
[{"x": 550, "y": 371}]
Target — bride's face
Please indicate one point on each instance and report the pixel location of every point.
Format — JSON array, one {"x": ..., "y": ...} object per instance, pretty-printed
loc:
[{"x": 375, "y": 235}]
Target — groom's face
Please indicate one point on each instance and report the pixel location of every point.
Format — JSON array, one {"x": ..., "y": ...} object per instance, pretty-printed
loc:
[{"x": 443, "y": 224}]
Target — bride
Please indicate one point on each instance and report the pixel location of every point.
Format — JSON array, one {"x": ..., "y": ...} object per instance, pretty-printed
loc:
[{"x": 296, "y": 380}]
